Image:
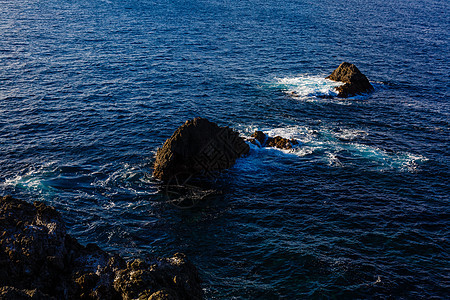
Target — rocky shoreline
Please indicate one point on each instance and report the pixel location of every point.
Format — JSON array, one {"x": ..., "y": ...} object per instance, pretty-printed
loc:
[{"x": 39, "y": 260}]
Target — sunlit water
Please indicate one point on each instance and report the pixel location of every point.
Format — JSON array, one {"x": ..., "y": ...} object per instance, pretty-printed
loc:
[{"x": 90, "y": 89}]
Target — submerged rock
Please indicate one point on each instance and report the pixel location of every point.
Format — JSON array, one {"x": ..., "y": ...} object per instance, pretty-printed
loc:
[
  {"x": 355, "y": 82},
  {"x": 39, "y": 260},
  {"x": 198, "y": 146},
  {"x": 260, "y": 139}
]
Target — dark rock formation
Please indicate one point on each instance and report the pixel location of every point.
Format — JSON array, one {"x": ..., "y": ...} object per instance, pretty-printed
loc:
[
  {"x": 161, "y": 281},
  {"x": 39, "y": 260},
  {"x": 198, "y": 146},
  {"x": 281, "y": 142},
  {"x": 12, "y": 293},
  {"x": 260, "y": 139},
  {"x": 355, "y": 82}
]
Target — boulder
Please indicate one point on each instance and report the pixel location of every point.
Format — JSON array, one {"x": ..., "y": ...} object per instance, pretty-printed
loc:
[
  {"x": 260, "y": 139},
  {"x": 281, "y": 142},
  {"x": 354, "y": 81},
  {"x": 39, "y": 260},
  {"x": 198, "y": 146}
]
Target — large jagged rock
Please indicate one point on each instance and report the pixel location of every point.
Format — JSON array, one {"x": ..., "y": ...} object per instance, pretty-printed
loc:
[
  {"x": 199, "y": 146},
  {"x": 355, "y": 82},
  {"x": 260, "y": 139},
  {"x": 39, "y": 260}
]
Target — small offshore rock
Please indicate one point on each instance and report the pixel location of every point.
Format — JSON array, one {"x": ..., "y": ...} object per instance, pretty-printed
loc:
[
  {"x": 281, "y": 142},
  {"x": 260, "y": 139},
  {"x": 354, "y": 81},
  {"x": 198, "y": 146}
]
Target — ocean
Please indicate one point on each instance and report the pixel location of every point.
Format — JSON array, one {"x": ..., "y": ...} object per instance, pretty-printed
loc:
[{"x": 90, "y": 89}]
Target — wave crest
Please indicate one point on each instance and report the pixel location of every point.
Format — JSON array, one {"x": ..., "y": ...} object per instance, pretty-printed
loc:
[{"x": 307, "y": 86}]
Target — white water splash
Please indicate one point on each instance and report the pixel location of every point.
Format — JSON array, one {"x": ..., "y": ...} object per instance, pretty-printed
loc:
[
  {"x": 307, "y": 86},
  {"x": 338, "y": 148},
  {"x": 313, "y": 88},
  {"x": 33, "y": 179},
  {"x": 132, "y": 179},
  {"x": 350, "y": 134},
  {"x": 50, "y": 179}
]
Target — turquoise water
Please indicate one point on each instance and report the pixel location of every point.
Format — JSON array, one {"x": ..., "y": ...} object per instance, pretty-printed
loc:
[{"x": 90, "y": 89}]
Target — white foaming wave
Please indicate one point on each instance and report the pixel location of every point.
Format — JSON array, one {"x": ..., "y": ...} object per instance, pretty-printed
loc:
[
  {"x": 134, "y": 179},
  {"x": 405, "y": 161},
  {"x": 350, "y": 134},
  {"x": 333, "y": 160},
  {"x": 291, "y": 132},
  {"x": 23, "y": 181},
  {"x": 302, "y": 134},
  {"x": 130, "y": 179},
  {"x": 384, "y": 160},
  {"x": 336, "y": 148},
  {"x": 307, "y": 86},
  {"x": 31, "y": 179},
  {"x": 309, "y": 141},
  {"x": 411, "y": 161}
]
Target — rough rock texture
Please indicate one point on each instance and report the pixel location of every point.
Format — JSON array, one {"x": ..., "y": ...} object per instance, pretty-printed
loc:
[
  {"x": 39, "y": 260},
  {"x": 260, "y": 139},
  {"x": 163, "y": 280},
  {"x": 198, "y": 146},
  {"x": 281, "y": 142},
  {"x": 355, "y": 82},
  {"x": 12, "y": 293}
]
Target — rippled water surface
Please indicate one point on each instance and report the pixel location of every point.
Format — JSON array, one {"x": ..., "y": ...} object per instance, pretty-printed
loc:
[{"x": 90, "y": 89}]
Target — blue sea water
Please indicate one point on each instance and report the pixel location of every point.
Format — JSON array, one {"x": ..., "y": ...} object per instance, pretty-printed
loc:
[{"x": 90, "y": 89}]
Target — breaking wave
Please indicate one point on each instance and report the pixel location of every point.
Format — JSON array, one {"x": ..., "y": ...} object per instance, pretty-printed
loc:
[
  {"x": 341, "y": 147},
  {"x": 306, "y": 86}
]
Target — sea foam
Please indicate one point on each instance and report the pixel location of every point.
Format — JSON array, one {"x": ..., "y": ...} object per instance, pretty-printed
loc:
[
  {"x": 305, "y": 87},
  {"x": 340, "y": 147}
]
